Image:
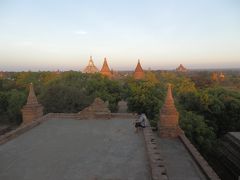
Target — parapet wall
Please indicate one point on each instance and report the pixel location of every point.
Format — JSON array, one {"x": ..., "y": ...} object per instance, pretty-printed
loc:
[
  {"x": 21, "y": 129},
  {"x": 202, "y": 163},
  {"x": 158, "y": 169},
  {"x": 25, "y": 127}
]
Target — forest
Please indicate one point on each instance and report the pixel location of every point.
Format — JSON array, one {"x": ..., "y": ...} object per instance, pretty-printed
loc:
[{"x": 208, "y": 107}]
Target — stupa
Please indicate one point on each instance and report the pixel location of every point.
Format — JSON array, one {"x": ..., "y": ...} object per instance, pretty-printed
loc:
[
  {"x": 97, "y": 108},
  {"x": 168, "y": 126},
  {"x": 221, "y": 76},
  {"x": 181, "y": 68},
  {"x": 1, "y": 74},
  {"x": 138, "y": 73},
  {"x": 105, "y": 71},
  {"x": 32, "y": 110},
  {"x": 91, "y": 68},
  {"x": 214, "y": 76}
]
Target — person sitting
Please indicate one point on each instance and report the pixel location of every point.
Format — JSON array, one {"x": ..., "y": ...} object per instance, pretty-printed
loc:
[{"x": 140, "y": 122}]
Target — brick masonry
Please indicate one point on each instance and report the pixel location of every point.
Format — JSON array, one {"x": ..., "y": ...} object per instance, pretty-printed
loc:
[
  {"x": 157, "y": 166},
  {"x": 168, "y": 126},
  {"x": 32, "y": 110}
]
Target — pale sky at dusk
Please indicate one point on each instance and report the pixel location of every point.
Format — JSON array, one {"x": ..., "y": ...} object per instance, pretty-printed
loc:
[{"x": 58, "y": 34}]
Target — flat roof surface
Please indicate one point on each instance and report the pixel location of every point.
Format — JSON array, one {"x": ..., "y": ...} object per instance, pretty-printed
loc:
[
  {"x": 76, "y": 150},
  {"x": 179, "y": 163}
]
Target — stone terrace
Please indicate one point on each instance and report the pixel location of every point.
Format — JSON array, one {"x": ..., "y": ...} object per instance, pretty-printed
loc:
[{"x": 76, "y": 149}]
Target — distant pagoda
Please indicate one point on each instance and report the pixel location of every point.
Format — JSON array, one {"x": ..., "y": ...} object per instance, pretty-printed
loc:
[
  {"x": 181, "y": 68},
  {"x": 217, "y": 76},
  {"x": 105, "y": 71},
  {"x": 214, "y": 76},
  {"x": 138, "y": 73},
  {"x": 91, "y": 68},
  {"x": 221, "y": 76},
  {"x": 1, "y": 74}
]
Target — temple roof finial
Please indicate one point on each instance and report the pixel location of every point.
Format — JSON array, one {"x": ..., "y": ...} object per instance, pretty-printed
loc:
[
  {"x": 138, "y": 73},
  {"x": 91, "y": 68},
  {"x": 32, "y": 110},
  {"x": 168, "y": 123},
  {"x": 32, "y": 99},
  {"x": 105, "y": 69}
]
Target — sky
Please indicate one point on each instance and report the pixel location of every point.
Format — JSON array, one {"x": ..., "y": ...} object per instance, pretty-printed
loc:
[{"x": 62, "y": 34}]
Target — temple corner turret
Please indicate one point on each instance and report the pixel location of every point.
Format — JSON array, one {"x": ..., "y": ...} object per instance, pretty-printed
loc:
[
  {"x": 168, "y": 125},
  {"x": 32, "y": 110}
]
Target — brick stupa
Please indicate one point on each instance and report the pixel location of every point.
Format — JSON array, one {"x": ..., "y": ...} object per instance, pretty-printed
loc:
[
  {"x": 32, "y": 110},
  {"x": 98, "y": 108},
  {"x": 105, "y": 71},
  {"x": 91, "y": 68},
  {"x": 168, "y": 126},
  {"x": 181, "y": 68},
  {"x": 138, "y": 73},
  {"x": 221, "y": 76}
]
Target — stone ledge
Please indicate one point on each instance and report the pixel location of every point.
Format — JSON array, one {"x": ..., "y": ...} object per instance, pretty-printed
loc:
[
  {"x": 201, "y": 162},
  {"x": 5, "y": 129},
  {"x": 123, "y": 115},
  {"x": 78, "y": 116},
  {"x": 158, "y": 169},
  {"x": 21, "y": 129},
  {"x": 25, "y": 127}
]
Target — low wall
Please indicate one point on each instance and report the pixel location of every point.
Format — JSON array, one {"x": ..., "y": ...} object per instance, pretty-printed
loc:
[
  {"x": 123, "y": 115},
  {"x": 157, "y": 166},
  {"x": 25, "y": 127},
  {"x": 21, "y": 129},
  {"x": 91, "y": 116},
  {"x": 5, "y": 129},
  {"x": 202, "y": 163}
]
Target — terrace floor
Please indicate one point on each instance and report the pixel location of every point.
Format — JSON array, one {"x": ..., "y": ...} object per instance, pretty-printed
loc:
[
  {"x": 179, "y": 163},
  {"x": 61, "y": 149}
]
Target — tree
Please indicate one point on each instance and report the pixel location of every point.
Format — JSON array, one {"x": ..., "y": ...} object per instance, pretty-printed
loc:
[
  {"x": 197, "y": 131},
  {"x": 65, "y": 99},
  {"x": 16, "y": 100},
  {"x": 144, "y": 97},
  {"x": 73, "y": 91}
]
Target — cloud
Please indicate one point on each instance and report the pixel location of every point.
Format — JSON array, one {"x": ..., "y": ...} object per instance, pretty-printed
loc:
[{"x": 80, "y": 32}]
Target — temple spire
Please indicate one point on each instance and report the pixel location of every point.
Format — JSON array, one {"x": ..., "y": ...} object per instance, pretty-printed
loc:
[
  {"x": 169, "y": 102},
  {"x": 91, "y": 68},
  {"x": 90, "y": 63},
  {"x": 181, "y": 68},
  {"x": 32, "y": 110},
  {"x": 168, "y": 124},
  {"x": 105, "y": 69},
  {"x": 32, "y": 99},
  {"x": 138, "y": 73}
]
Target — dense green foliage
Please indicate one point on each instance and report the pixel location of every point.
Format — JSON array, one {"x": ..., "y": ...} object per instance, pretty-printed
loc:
[
  {"x": 144, "y": 97},
  {"x": 218, "y": 105},
  {"x": 198, "y": 132},
  {"x": 73, "y": 91},
  {"x": 65, "y": 92}
]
